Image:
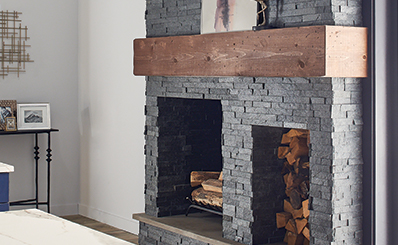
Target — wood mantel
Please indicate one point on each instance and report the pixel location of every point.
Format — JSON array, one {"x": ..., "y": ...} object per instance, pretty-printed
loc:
[{"x": 313, "y": 51}]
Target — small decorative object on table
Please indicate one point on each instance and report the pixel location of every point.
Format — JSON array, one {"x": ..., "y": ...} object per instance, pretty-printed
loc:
[
  {"x": 7, "y": 109},
  {"x": 34, "y": 116},
  {"x": 11, "y": 124}
]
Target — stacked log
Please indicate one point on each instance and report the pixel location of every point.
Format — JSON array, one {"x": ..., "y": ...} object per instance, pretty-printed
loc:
[
  {"x": 210, "y": 190},
  {"x": 294, "y": 150},
  {"x": 197, "y": 177}
]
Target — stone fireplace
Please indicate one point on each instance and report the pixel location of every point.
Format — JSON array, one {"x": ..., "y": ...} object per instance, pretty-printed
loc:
[{"x": 233, "y": 123}]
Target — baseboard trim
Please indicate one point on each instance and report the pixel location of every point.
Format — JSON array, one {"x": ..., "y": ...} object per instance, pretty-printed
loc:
[{"x": 127, "y": 224}]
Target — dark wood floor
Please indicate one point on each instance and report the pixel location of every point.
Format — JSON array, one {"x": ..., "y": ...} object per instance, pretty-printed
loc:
[{"x": 107, "y": 229}]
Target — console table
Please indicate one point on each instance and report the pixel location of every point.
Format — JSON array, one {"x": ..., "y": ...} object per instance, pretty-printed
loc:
[{"x": 35, "y": 201}]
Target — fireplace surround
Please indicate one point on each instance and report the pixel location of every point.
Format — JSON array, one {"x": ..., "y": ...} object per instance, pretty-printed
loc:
[{"x": 179, "y": 109}]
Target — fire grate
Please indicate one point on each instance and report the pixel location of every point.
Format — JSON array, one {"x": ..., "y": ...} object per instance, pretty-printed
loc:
[{"x": 207, "y": 208}]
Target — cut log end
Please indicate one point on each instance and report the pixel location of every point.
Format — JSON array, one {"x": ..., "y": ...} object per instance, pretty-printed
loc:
[
  {"x": 293, "y": 239},
  {"x": 282, "y": 151},
  {"x": 287, "y": 207},
  {"x": 282, "y": 219},
  {"x": 306, "y": 233},
  {"x": 300, "y": 224},
  {"x": 295, "y": 199},
  {"x": 306, "y": 211},
  {"x": 291, "y": 226}
]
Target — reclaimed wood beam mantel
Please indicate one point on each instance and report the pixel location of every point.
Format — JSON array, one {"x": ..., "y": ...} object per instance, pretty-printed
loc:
[{"x": 313, "y": 51}]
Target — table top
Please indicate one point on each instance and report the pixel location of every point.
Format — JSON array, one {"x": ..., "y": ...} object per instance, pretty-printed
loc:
[
  {"x": 35, "y": 227},
  {"x": 6, "y": 168},
  {"x": 29, "y": 131}
]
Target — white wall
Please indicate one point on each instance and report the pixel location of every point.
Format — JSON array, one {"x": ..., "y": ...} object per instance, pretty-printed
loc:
[
  {"x": 82, "y": 51},
  {"x": 52, "y": 26},
  {"x": 111, "y": 107}
]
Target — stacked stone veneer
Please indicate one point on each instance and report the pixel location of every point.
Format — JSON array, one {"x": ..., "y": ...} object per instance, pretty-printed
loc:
[
  {"x": 284, "y": 13},
  {"x": 329, "y": 107}
]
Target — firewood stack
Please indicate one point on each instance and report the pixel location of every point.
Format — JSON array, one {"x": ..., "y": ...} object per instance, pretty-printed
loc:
[
  {"x": 294, "y": 149},
  {"x": 210, "y": 192}
]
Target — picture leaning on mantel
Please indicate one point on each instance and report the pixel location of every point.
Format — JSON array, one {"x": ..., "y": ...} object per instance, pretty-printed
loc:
[{"x": 228, "y": 15}]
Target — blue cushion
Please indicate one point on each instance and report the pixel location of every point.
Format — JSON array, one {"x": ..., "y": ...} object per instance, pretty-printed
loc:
[
  {"x": 4, "y": 182},
  {"x": 4, "y": 207}
]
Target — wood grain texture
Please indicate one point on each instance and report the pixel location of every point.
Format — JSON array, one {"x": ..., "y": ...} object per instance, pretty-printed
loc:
[
  {"x": 346, "y": 51},
  {"x": 197, "y": 177},
  {"x": 286, "y": 52},
  {"x": 207, "y": 197},
  {"x": 212, "y": 185}
]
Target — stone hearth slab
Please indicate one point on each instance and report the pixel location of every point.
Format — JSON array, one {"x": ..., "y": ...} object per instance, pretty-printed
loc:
[{"x": 203, "y": 227}]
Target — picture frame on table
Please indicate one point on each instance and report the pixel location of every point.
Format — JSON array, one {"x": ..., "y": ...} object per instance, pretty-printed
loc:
[
  {"x": 33, "y": 116},
  {"x": 11, "y": 124},
  {"x": 8, "y": 108}
]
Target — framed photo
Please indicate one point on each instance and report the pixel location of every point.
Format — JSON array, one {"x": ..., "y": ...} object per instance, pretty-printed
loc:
[
  {"x": 11, "y": 124},
  {"x": 8, "y": 108},
  {"x": 228, "y": 15},
  {"x": 34, "y": 116}
]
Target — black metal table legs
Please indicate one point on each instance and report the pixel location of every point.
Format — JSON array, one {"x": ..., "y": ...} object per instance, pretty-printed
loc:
[
  {"x": 48, "y": 169},
  {"x": 36, "y": 157}
]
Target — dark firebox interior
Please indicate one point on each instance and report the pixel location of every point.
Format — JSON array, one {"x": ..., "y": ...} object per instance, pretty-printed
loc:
[{"x": 189, "y": 140}]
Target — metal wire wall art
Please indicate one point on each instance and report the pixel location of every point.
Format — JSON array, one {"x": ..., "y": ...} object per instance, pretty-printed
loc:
[{"x": 13, "y": 54}]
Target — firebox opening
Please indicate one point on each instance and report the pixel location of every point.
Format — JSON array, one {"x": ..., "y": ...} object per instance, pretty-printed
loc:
[{"x": 189, "y": 140}]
